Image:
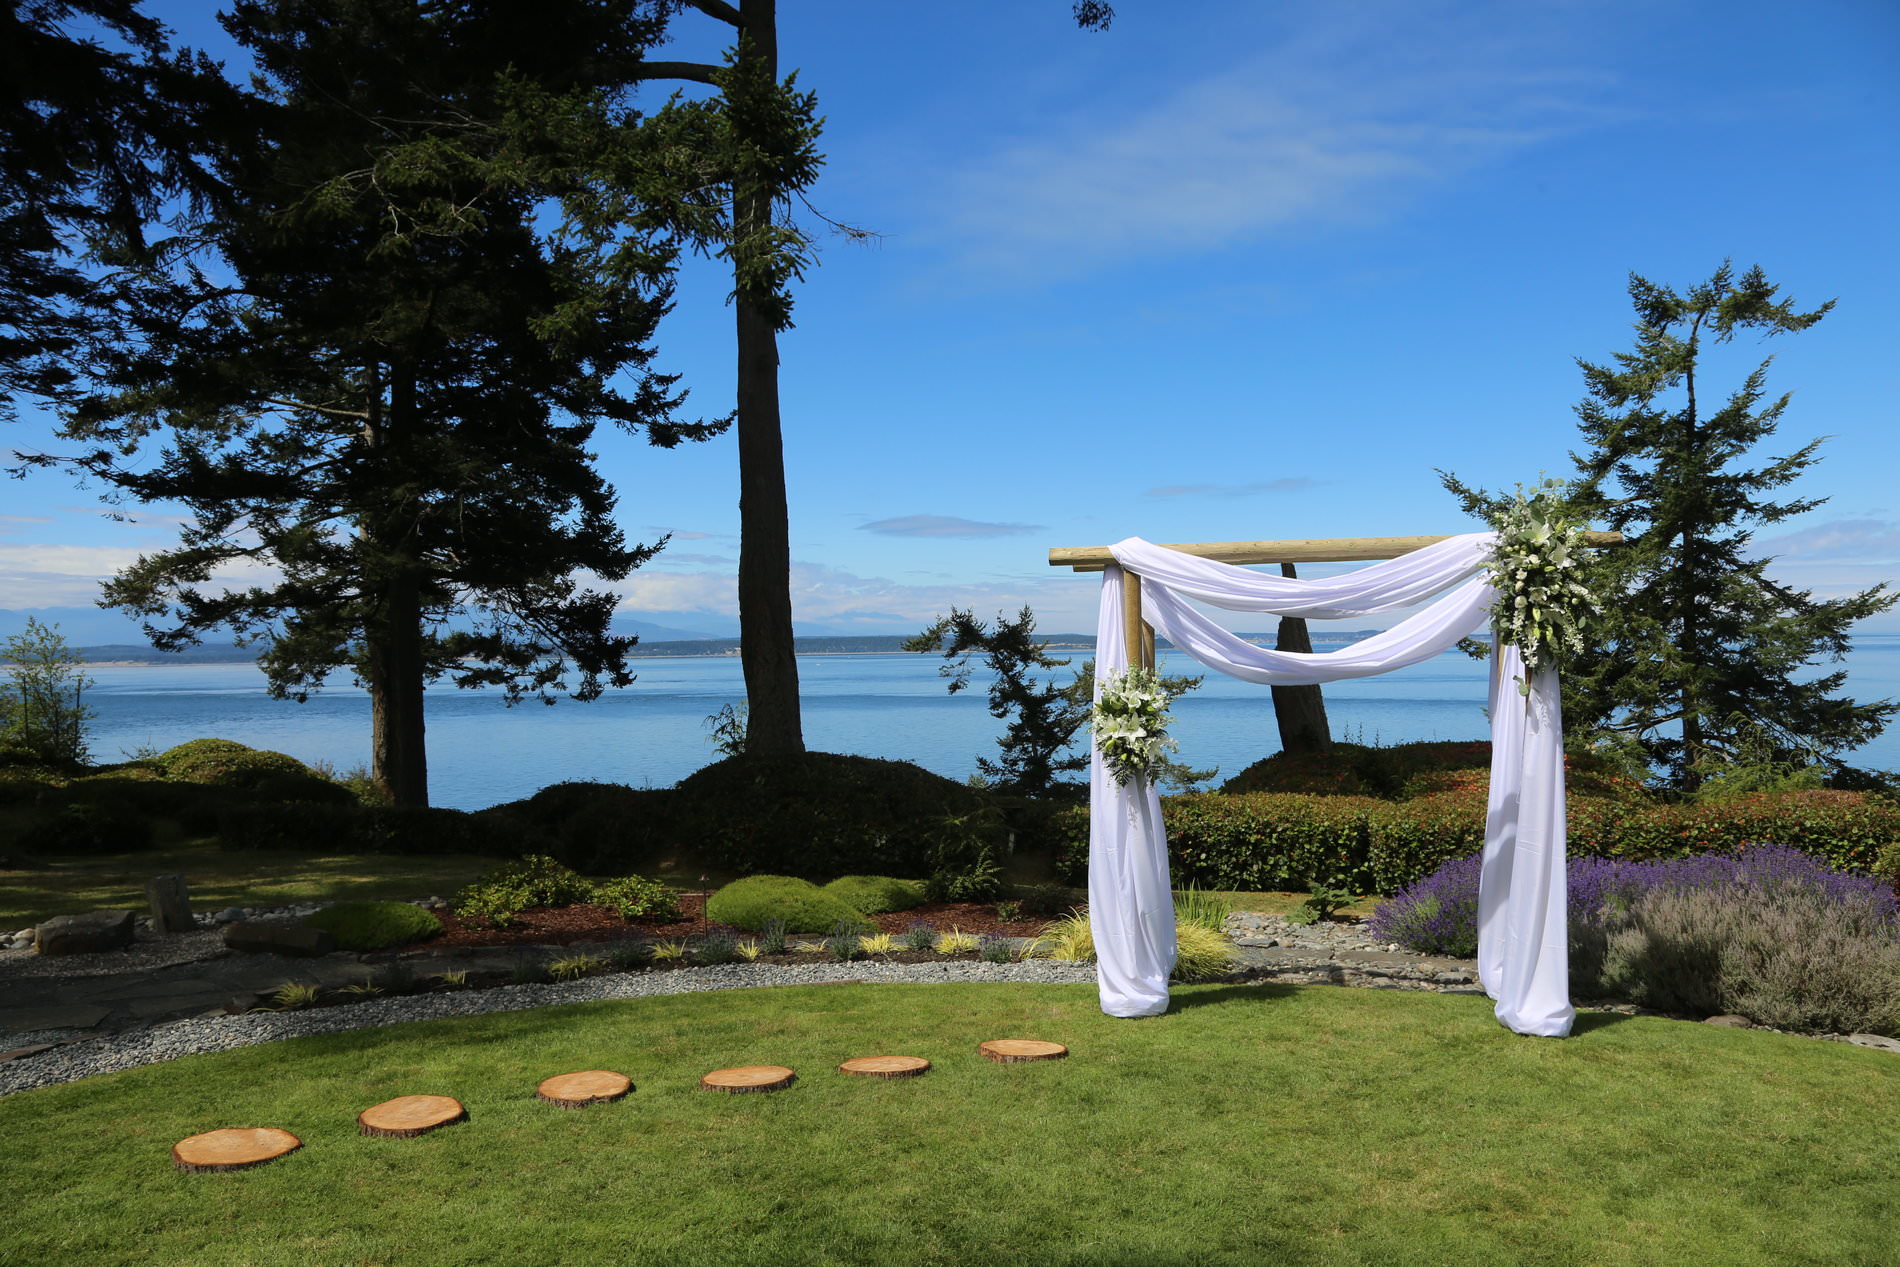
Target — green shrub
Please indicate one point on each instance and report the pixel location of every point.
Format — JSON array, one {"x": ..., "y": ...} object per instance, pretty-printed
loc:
[
  {"x": 800, "y": 906},
  {"x": 1791, "y": 957},
  {"x": 86, "y": 828},
  {"x": 636, "y": 897},
  {"x": 505, "y": 892},
  {"x": 1408, "y": 770},
  {"x": 302, "y": 789},
  {"x": 876, "y": 894},
  {"x": 365, "y": 926},
  {"x": 823, "y": 814},
  {"x": 289, "y": 826},
  {"x": 428, "y": 830},
  {"x": 227, "y": 764},
  {"x": 596, "y": 827}
]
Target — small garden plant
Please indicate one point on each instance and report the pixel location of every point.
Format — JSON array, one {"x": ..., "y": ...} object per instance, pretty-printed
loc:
[{"x": 366, "y": 926}]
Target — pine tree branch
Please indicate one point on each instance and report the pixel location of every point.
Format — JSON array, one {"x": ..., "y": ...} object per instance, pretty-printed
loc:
[
  {"x": 719, "y": 9},
  {"x": 697, "y": 72}
]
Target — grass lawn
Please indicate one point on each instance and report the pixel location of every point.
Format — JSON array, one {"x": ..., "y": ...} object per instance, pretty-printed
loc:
[
  {"x": 219, "y": 879},
  {"x": 1253, "y": 1125}
]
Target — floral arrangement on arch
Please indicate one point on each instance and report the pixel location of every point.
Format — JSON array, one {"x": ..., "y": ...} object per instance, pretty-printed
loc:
[
  {"x": 1130, "y": 720},
  {"x": 1540, "y": 603}
]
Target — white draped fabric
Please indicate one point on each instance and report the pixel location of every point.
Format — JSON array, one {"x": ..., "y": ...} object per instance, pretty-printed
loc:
[{"x": 1522, "y": 940}]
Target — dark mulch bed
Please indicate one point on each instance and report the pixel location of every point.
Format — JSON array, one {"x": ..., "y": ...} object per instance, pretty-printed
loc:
[{"x": 564, "y": 925}]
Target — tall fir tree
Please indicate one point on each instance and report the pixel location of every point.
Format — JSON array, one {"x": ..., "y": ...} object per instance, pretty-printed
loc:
[
  {"x": 378, "y": 380},
  {"x": 754, "y": 148},
  {"x": 1701, "y": 654},
  {"x": 99, "y": 124}
]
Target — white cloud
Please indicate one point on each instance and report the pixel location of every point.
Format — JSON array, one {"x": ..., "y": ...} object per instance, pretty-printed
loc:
[
  {"x": 1345, "y": 121},
  {"x": 1843, "y": 539},
  {"x": 70, "y": 575},
  {"x": 820, "y": 594},
  {"x": 945, "y": 526}
]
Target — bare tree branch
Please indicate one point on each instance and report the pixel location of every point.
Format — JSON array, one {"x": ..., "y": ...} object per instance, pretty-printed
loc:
[{"x": 698, "y": 72}]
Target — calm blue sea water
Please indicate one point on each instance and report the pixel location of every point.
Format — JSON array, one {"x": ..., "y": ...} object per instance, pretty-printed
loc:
[{"x": 653, "y": 733}]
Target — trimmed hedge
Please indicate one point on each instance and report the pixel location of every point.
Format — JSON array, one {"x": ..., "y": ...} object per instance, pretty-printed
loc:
[
  {"x": 1409, "y": 770},
  {"x": 824, "y": 814},
  {"x": 1287, "y": 841}
]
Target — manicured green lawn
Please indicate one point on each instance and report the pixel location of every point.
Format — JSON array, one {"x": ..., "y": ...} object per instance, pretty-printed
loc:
[
  {"x": 1253, "y": 1125},
  {"x": 219, "y": 879}
]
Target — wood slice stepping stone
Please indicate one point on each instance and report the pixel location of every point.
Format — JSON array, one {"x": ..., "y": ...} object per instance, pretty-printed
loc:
[
  {"x": 234, "y": 1148},
  {"x": 578, "y": 1090},
  {"x": 1012, "y": 1051},
  {"x": 886, "y": 1066},
  {"x": 748, "y": 1078},
  {"x": 408, "y": 1116}
]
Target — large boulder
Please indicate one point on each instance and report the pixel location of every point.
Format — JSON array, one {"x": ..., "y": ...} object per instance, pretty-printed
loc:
[
  {"x": 84, "y": 934},
  {"x": 273, "y": 937}
]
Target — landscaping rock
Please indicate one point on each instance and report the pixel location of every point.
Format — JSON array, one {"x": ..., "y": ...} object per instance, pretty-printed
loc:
[
  {"x": 171, "y": 904},
  {"x": 1732, "y": 1022},
  {"x": 1873, "y": 1040},
  {"x": 256, "y": 936},
  {"x": 85, "y": 934}
]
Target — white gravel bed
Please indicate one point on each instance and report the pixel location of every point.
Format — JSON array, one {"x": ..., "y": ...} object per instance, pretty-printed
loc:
[
  {"x": 148, "y": 953},
  {"x": 82, "y": 1059}
]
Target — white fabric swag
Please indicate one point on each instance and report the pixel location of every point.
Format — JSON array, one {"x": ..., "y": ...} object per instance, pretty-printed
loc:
[{"x": 1523, "y": 952}]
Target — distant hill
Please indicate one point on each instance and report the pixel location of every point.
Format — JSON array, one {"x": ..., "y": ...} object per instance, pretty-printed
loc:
[{"x": 646, "y": 649}]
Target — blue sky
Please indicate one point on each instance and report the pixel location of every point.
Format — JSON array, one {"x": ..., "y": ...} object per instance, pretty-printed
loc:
[{"x": 1239, "y": 270}]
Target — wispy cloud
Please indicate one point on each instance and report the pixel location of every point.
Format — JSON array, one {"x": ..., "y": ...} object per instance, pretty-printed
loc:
[
  {"x": 1063, "y": 603},
  {"x": 1346, "y": 120},
  {"x": 1294, "y": 484},
  {"x": 1844, "y": 539},
  {"x": 70, "y": 575},
  {"x": 945, "y": 526}
]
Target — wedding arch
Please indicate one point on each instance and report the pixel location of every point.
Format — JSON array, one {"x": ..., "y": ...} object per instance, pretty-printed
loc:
[{"x": 1523, "y": 954}]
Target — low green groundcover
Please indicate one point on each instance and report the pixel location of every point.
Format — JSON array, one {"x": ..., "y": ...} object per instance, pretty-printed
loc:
[
  {"x": 374, "y": 925},
  {"x": 799, "y": 905},
  {"x": 1250, "y": 1125},
  {"x": 876, "y": 894}
]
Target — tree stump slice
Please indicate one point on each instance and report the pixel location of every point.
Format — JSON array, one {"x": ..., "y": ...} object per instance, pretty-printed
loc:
[
  {"x": 234, "y": 1148},
  {"x": 408, "y": 1116},
  {"x": 886, "y": 1066},
  {"x": 1012, "y": 1051},
  {"x": 578, "y": 1090},
  {"x": 748, "y": 1078}
]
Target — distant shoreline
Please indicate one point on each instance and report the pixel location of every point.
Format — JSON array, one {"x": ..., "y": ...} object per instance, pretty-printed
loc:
[{"x": 124, "y": 656}]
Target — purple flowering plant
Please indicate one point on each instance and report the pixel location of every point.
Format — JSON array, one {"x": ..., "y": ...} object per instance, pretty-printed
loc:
[{"x": 1439, "y": 913}]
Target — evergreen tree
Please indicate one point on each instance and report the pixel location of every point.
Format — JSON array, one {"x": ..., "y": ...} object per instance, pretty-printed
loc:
[
  {"x": 42, "y": 709},
  {"x": 379, "y": 387},
  {"x": 754, "y": 151},
  {"x": 92, "y": 139},
  {"x": 1699, "y": 653}
]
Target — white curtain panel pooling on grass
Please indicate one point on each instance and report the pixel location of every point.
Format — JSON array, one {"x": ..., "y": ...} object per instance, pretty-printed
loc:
[{"x": 1523, "y": 955}]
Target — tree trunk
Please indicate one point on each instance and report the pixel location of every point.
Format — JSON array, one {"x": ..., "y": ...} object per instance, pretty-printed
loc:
[
  {"x": 765, "y": 562},
  {"x": 1300, "y": 710},
  {"x": 392, "y": 634},
  {"x": 399, "y": 760}
]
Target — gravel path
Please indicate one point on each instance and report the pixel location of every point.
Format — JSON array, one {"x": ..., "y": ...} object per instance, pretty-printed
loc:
[{"x": 72, "y": 1061}]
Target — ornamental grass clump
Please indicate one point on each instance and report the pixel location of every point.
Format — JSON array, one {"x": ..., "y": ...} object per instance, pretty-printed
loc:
[{"x": 1201, "y": 953}]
